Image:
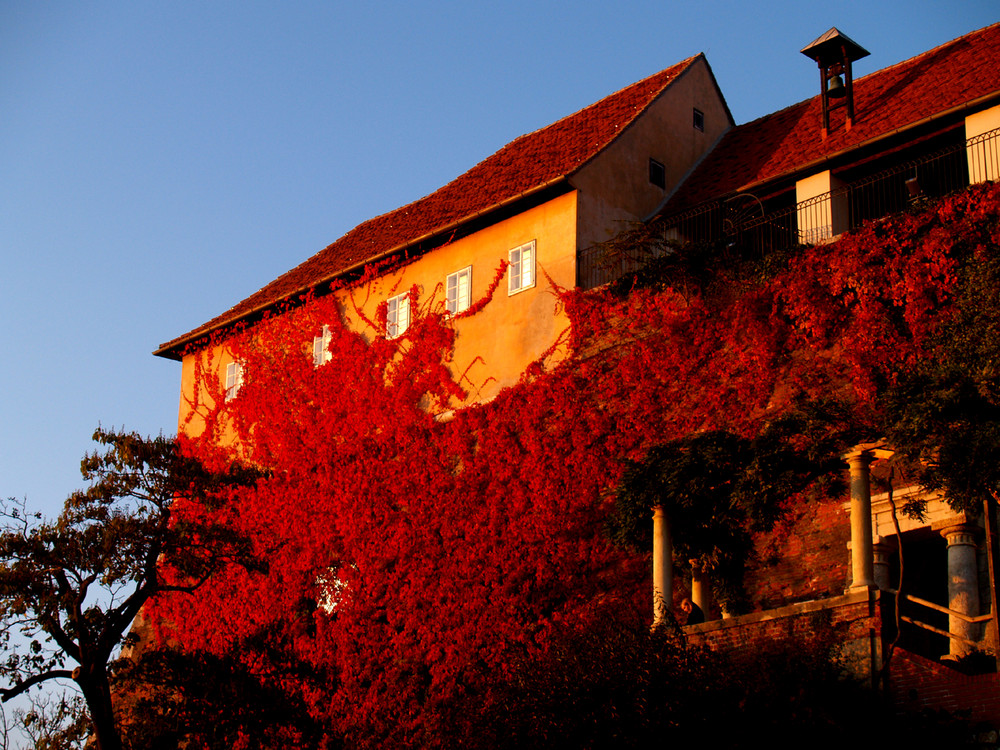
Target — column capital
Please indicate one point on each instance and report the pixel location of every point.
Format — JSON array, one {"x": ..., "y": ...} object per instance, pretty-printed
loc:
[
  {"x": 858, "y": 458},
  {"x": 962, "y": 534},
  {"x": 866, "y": 453},
  {"x": 881, "y": 547}
]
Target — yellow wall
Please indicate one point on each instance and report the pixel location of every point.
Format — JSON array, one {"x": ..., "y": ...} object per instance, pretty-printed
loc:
[
  {"x": 214, "y": 359},
  {"x": 510, "y": 333},
  {"x": 984, "y": 157},
  {"x": 823, "y": 219}
]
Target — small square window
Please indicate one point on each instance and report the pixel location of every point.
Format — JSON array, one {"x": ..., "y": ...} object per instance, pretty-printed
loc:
[
  {"x": 397, "y": 317},
  {"x": 321, "y": 348},
  {"x": 522, "y": 268},
  {"x": 699, "y": 120},
  {"x": 458, "y": 291},
  {"x": 234, "y": 379},
  {"x": 657, "y": 173}
]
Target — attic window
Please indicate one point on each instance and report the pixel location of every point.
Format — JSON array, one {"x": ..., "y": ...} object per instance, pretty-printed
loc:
[
  {"x": 657, "y": 174},
  {"x": 699, "y": 120}
]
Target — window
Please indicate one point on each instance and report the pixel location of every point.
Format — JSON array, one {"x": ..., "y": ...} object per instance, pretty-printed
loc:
[
  {"x": 522, "y": 268},
  {"x": 234, "y": 379},
  {"x": 321, "y": 348},
  {"x": 458, "y": 290},
  {"x": 699, "y": 120},
  {"x": 332, "y": 590},
  {"x": 657, "y": 173},
  {"x": 397, "y": 317}
]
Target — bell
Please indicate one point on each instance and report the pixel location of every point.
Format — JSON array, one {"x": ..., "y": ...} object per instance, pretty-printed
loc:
[{"x": 836, "y": 88}]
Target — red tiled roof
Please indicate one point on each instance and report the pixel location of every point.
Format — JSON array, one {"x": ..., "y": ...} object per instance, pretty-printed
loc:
[
  {"x": 528, "y": 163},
  {"x": 949, "y": 76}
]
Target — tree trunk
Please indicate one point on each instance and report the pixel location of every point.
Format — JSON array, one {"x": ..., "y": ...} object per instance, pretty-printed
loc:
[{"x": 96, "y": 691}]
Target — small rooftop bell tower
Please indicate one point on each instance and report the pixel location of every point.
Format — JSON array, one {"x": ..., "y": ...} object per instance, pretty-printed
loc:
[{"x": 834, "y": 52}]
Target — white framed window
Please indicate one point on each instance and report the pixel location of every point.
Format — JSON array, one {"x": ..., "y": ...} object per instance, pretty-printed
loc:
[
  {"x": 458, "y": 290},
  {"x": 321, "y": 348},
  {"x": 397, "y": 316},
  {"x": 234, "y": 379},
  {"x": 522, "y": 268}
]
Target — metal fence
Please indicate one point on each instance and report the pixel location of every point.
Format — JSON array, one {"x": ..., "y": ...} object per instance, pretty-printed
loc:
[{"x": 743, "y": 221}]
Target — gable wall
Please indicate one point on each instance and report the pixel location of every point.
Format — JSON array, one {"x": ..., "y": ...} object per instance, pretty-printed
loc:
[{"x": 614, "y": 187}]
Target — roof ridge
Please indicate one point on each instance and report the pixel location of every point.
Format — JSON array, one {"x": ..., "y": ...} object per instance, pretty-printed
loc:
[
  {"x": 681, "y": 64},
  {"x": 925, "y": 53}
]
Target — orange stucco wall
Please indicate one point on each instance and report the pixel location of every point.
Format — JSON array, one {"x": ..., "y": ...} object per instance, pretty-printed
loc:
[
  {"x": 215, "y": 360},
  {"x": 494, "y": 346},
  {"x": 513, "y": 330}
]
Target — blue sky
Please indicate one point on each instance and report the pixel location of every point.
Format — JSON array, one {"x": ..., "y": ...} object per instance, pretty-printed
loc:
[{"x": 159, "y": 162}]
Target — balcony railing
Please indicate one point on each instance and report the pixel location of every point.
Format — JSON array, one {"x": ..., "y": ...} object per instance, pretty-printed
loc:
[{"x": 743, "y": 222}]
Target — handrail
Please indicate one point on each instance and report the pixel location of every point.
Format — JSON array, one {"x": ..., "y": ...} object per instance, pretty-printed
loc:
[
  {"x": 933, "y": 629},
  {"x": 946, "y": 610}
]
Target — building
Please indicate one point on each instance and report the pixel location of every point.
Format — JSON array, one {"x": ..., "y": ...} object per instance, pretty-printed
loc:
[
  {"x": 537, "y": 204},
  {"x": 859, "y": 150},
  {"x": 925, "y": 126},
  {"x": 667, "y": 147}
]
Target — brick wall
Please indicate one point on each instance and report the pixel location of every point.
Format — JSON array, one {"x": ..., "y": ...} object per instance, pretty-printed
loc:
[
  {"x": 804, "y": 558},
  {"x": 916, "y": 683},
  {"x": 851, "y": 621}
]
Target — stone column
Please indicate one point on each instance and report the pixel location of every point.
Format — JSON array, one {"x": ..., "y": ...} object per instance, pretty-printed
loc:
[
  {"x": 701, "y": 589},
  {"x": 862, "y": 573},
  {"x": 963, "y": 584},
  {"x": 882, "y": 552},
  {"x": 662, "y": 567}
]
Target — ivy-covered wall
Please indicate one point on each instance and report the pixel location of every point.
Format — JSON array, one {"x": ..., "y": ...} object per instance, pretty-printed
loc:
[{"x": 415, "y": 553}]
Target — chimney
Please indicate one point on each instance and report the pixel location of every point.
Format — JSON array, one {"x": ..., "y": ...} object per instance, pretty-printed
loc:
[{"x": 834, "y": 52}]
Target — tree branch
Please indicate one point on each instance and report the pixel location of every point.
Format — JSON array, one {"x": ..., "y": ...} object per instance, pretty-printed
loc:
[
  {"x": 50, "y": 624},
  {"x": 54, "y": 674}
]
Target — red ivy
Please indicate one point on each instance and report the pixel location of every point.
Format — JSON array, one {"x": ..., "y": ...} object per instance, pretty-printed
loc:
[{"x": 412, "y": 557}]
